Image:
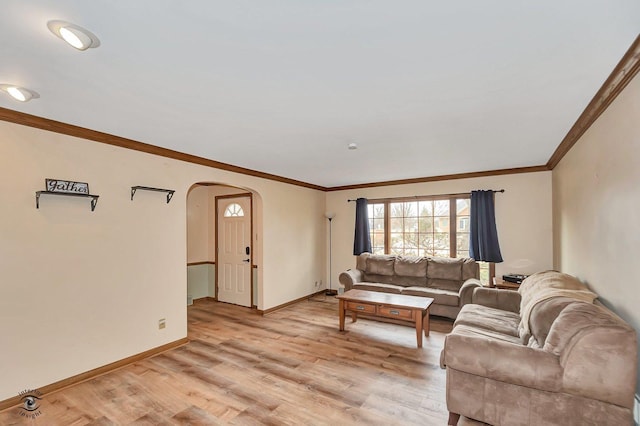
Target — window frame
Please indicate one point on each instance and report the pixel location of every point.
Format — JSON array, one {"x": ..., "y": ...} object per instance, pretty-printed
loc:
[
  {"x": 233, "y": 211},
  {"x": 452, "y": 198},
  {"x": 453, "y": 221}
]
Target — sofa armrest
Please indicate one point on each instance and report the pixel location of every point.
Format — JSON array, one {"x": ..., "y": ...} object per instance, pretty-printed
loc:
[
  {"x": 349, "y": 277},
  {"x": 505, "y": 300},
  {"x": 503, "y": 361},
  {"x": 466, "y": 291}
]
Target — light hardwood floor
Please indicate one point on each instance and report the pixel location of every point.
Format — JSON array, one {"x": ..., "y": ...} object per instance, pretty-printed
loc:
[{"x": 291, "y": 367}]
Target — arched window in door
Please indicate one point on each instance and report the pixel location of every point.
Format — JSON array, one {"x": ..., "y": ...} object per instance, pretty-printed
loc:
[{"x": 233, "y": 210}]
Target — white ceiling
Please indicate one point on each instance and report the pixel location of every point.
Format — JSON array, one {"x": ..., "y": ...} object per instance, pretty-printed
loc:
[{"x": 424, "y": 88}]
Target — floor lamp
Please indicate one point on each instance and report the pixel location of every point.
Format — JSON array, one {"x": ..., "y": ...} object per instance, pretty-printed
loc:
[{"x": 330, "y": 291}]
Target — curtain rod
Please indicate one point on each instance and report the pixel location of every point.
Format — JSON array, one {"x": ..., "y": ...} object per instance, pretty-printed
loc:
[{"x": 441, "y": 195}]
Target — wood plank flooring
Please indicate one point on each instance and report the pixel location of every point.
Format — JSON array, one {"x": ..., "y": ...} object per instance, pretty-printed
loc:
[{"x": 290, "y": 367}]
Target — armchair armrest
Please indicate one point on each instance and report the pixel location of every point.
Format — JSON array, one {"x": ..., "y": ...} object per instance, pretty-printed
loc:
[
  {"x": 503, "y": 361},
  {"x": 506, "y": 300},
  {"x": 466, "y": 291},
  {"x": 349, "y": 277}
]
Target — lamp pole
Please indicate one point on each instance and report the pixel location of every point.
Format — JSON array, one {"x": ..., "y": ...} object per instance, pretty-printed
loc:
[{"x": 330, "y": 291}]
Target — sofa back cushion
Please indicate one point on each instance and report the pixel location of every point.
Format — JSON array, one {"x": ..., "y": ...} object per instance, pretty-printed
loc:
[
  {"x": 380, "y": 265},
  {"x": 542, "y": 317},
  {"x": 406, "y": 266},
  {"x": 598, "y": 353},
  {"x": 470, "y": 269},
  {"x": 379, "y": 269},
  {"x": 445, "y": 268},
  {"x": 410, "y": 271},
  {"x": 361, "y": 261},
  {"x": 576, "y": 319},
  {"x": 444, "y": 273}
]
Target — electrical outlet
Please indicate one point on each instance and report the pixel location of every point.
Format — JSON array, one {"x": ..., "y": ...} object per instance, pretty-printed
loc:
[
  {"x": 315, "y": 284},
  {"x": 162, "y": 323}
]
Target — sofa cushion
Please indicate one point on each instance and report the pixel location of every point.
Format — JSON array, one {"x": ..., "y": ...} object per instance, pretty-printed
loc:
[
  {"x": 409, "y": 281},
  {"x": 380, "y": 265},
  {"x": 374, "y": 278},
  {"x": 579, "y": 317},
  {"x": 411, "y": 266},
  {"x": 444, "y": 268},
  {"x": 450, "y": 285},
  {"x": 494, "y": 320},
  {"x": 543, "y": 315},
  {"x": 384, "y": 288},
  {"x": 440, "y": 297},
  {"x": 466, "y": 330},
  {"x": 470, "y": 269},
  {"x": 361, "y": 261}
]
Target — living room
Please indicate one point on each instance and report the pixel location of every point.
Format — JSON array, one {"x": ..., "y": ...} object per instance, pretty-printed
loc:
[{"x": 82, "y": 289}]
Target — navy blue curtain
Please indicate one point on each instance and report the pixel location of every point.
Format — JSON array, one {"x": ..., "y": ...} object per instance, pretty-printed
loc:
[
  {"x": 483, "y": 244},
  {"x": 361, "y": 240}
]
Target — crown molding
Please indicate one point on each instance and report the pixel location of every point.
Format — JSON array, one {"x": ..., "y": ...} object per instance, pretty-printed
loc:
[
  {"x": 34, "y": 121},
  {"x": 531, "y": 169},
  {"x": 621, "y": 75},
  {"x": 47, "y": 124}
]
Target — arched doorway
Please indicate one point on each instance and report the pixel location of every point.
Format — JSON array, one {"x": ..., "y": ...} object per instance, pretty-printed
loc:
[{"x": 206, "y": 205}]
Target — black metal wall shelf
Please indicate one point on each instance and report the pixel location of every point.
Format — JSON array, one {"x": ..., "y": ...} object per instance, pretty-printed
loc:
[
  {"x": 147, "y": 188},
  {"x": 94, "y": 198}
]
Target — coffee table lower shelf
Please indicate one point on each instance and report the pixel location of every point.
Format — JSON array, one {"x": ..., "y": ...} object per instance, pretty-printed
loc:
[{"x": 410, "y": 309}]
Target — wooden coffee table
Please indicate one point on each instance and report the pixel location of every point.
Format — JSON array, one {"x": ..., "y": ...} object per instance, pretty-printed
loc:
[{"x": 401, "y": 307}]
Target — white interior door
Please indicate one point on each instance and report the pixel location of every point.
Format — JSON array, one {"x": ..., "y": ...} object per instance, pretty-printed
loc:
[{"x": 234, "y": 250}]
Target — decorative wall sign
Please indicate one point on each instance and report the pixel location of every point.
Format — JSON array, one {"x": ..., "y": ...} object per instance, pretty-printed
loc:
[{"x": 67, "y": 186}]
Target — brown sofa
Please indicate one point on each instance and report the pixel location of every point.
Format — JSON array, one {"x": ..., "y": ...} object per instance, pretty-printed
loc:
[
  {"x": 450, "y": 282},
  {"x": 572, "y": 362}
]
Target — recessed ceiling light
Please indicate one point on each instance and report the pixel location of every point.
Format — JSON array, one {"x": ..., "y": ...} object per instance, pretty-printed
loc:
[
  {"x": 19, "y": 93},
  {"x": 352, "y": 146},
  {"x": 76, "y": 36}
]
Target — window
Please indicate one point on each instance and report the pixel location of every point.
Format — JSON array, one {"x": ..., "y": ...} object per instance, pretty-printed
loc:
[
  {"x": 376, "y": 227},
  {"x": 233, "y": 210},
  {"x": 425, "y": 226}
]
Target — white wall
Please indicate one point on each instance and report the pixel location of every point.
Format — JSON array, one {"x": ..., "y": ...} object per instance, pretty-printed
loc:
[
  {"x": 523, "y": 217},
  {"x": 199, "y": 227},
  {"x": 81, "y": 289},
  {"x": 296, "y": 222},
  {"x": 596, "y": 203},
  {"x": 201, "y": 281},
  {"x": 200, "y": 277}
]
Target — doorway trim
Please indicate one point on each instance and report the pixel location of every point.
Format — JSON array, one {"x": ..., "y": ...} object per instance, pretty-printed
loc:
[{"x": 251, "y": 266}]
